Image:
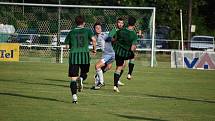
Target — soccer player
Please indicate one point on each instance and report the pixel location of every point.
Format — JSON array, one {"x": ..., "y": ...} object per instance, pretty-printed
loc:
[
  {"x": 140, "y": 35},
  {"x": 79, "y": 57},
  {"x": 124, "y": 47},
  {"x": 119, "y": 25},
  {"x": 108, "y": 55}
]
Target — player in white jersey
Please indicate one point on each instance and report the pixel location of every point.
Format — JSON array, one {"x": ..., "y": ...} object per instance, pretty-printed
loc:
[{"x": 108, "y": 55}]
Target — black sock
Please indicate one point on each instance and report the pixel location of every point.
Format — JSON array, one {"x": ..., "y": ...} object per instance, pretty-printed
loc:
[
  {"x": 121, "y": 72},
  {"x": 116, "y": 79},
  {"x": 73, "y": 87},
  {"x": 104, "y": 68},
  {"x": 83, "y": 76},
  {"x": 130, "y": 68}
]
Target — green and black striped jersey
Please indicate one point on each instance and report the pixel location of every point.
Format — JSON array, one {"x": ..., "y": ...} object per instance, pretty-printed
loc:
[
  {"x": 112, "y": 33},
  {"x": 79, "y": 58},
  {"x": 78, "y": 41},
  {"x": 125, "y": 38}
]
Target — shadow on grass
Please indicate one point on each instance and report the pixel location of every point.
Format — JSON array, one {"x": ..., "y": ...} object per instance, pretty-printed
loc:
[
  {"x": 32, "y": 97},
  {"x": 138, "y": 118},
  {"x": 35, "y": 83},
  {"x": 57, "y": 80},
  {"x": 89, "y": 86},
  {"x": 181, "y": 98},
  {"x": 59, "y": 85}
]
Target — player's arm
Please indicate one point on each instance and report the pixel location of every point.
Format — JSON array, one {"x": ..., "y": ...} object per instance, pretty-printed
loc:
[
  {"x": 108, "y": 39},
  {"x": 67, "y": 41},
  {"x": 111, "y": 36},
  {"x": 134, "y": 43},
  {"x": 103, "y": 40},
  {"x": 94, "y": 44},
  {"x": 93, "y": 40},
  {"x": 114, "y": 38},
  {"x": 133, "y": 47}
]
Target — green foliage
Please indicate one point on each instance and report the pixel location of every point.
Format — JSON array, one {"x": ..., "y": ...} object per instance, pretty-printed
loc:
[
  {"x": 53, "y": 26},
  {"x": 110, "y": 19},
  {"x": 32, "y": 24},
  {"x": 167, "y": 13},
  {"x": 19, "y": 16},
  {"x": 41, "y": 16}
]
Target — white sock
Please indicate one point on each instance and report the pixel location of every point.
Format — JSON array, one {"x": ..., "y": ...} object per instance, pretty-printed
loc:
[
  {"x": 100, "y": 75},
  {"x": 96, "y": 79},
  {"x": 81, "y": 78}
]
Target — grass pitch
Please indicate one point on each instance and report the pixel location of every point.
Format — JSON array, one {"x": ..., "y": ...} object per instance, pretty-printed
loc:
[{"x": 40, "y": 92}]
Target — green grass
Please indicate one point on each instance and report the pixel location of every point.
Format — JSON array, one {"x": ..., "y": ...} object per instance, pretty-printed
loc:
[{"x": 40, "y": 92}]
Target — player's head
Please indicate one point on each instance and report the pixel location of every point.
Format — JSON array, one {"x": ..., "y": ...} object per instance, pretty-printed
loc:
[
  {"x": 79, "y": 20},
  {"x": 97, "y": 27},
  {"x": 120, "y": 23},
  {"x": 131, "y": 21}
]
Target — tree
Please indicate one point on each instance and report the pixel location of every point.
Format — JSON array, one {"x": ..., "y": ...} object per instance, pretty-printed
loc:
[
  {"x": 167, "y": 12},
  {"x": 208, "y": 12}
]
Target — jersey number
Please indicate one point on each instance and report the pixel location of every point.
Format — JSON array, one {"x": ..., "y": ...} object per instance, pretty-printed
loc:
[{"x": 80, "y": 40}]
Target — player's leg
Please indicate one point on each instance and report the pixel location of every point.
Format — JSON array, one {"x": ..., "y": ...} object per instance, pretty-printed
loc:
[
  {"x": 120, "y": 83},
  {"x": 73, "y": 73},
  {"x": 99, "y": 71},
  {"x": 108, "y": 67},
  {"x": 84, "y": 70},
  {"x": 105, "y": 61},
  {"x": 117, "y": 78},
  {"x": 96, "y": 77},
  {"x": 124, "y": 65},
  {"x": 119, "y": 66},
  {"x": 83, "y": 76},
  {"x": 105, "y": 68},
  {"x": 130, "y": 67},
  {"x": 108, "y": 60},
  {"x": 99, "y": 79}
]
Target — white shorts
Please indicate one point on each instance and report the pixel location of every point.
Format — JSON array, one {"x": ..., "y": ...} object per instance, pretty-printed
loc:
[{"x": 107, "y": 59}]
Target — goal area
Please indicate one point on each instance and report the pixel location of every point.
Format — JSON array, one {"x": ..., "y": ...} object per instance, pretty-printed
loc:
[{"x": 41, "y": 28}]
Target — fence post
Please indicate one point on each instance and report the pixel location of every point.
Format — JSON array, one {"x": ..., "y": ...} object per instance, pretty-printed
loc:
[
  {"x": 61, "y": 54},
  {"x": 58, "y": 35}
]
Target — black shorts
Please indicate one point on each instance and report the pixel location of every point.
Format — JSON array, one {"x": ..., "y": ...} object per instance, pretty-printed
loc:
[
  {"x": 74, "y": 69},
  {"x": 120, "y": 60}
]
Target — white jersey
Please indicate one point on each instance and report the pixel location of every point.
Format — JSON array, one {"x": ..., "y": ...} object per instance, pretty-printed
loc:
[{"x": 105, "y": 46}]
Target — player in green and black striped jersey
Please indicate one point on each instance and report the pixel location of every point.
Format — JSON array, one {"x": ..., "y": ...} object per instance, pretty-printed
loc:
[
  {"x": 125, "y": 44},
  {"x": 120, "y": 25},
  {"x": 78, "y": 42}
]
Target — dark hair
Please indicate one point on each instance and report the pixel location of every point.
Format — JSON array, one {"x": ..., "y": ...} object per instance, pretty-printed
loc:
[
  {"x": 131, "y": 21},
  {"x": 120, "y": 19},
  {"x": 79, "y": 20},
  {"x": 97, "y": 23}
]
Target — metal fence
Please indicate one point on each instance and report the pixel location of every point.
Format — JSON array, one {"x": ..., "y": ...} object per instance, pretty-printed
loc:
[{"x": 40, "y": 28}]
